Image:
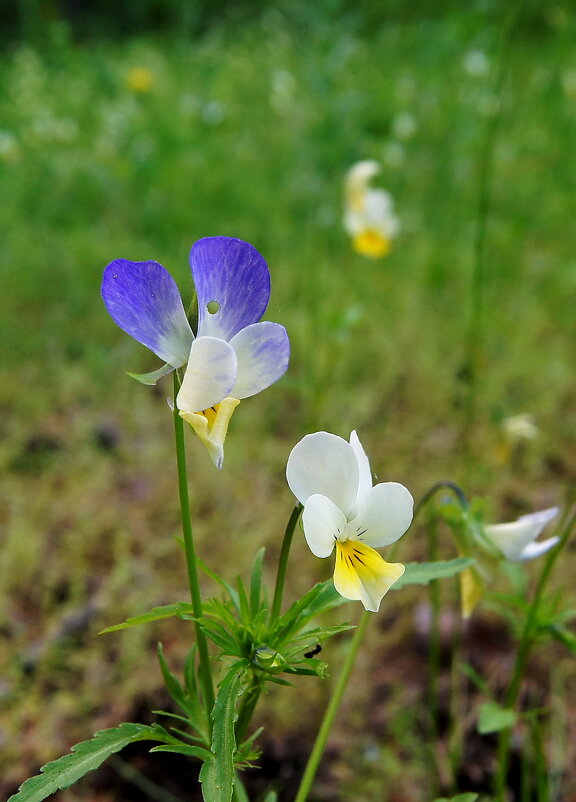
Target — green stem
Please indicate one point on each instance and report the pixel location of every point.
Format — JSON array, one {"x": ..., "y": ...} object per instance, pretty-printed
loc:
[
  {"x": 283, "y": 562},
  {"x": 476, "y": 329},
  {"x": 247, "y": 708},
  {"x": 204, "y": 657},
  {"x": 331, "y": 710},
  {"x": 444, "y": 485},
  {"x": 527, "y": 639},
  {"x": 434, "y": 645}
]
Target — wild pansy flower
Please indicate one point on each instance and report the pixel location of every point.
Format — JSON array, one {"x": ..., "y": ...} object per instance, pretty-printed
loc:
[
  {"x": 342, "y": 510},
  {"x": 368, "y": 215},
  {"x": 514, "y": 541},
  {"x": 517, "y": 539},
  {"x": 232, "y": 356}
]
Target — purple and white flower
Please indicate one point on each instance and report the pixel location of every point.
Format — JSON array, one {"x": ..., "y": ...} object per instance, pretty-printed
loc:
[{"x": 232, "y": 356}]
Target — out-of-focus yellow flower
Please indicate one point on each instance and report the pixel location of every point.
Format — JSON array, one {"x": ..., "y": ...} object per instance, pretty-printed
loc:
[
  {"x": 514, "y": 431},
  {"x": 139, "y": 79},
  {"x": 368, "y": 214}
]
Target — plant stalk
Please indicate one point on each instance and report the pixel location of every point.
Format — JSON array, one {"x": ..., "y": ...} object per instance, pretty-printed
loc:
[
  {"x": 203, "y": 654},
  {"x": 283, "y": 561},
  {"x": 527, "y": 639},
  {"x": 331, "y": 710}
]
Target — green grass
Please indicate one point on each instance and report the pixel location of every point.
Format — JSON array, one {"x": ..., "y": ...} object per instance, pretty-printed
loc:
[{"x": 248, "y": 132}]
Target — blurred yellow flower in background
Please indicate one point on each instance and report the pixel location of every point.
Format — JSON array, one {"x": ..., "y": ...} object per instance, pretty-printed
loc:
[
  {"x": 139, "y": 79},
  {"x": 515, "y": 432},
  {"x": 368, "y": 213}
]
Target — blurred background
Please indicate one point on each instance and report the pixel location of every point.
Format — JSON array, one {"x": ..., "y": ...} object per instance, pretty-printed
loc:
[{"x": 131, "y": 130}]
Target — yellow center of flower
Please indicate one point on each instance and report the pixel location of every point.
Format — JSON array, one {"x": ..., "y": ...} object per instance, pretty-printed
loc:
[
  {"x": 361, "y": 573},
  {"x": 372, "y": 244},
  {"x": 211, "y": 426}
]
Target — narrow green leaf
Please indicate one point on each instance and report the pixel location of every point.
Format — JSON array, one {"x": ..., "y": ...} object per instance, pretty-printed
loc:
[
  {"x": 459, "y": 798},
  {"x": 173, "y": 686},
  {"x": 563, "y": 635},
  {"x": 217, "y": 773},
  {"x": 84, "y": 757},
  {"x": 271, "y": 796},
  {"x": 152, "y": 377},
  {"x": 156, "y": 614},
  {"x": 244, "y": 604},
  {"x": 494, "y": 718},
  {"x": 423, "y": 573},
  {"x": 222, "y": 582},
  {"x": 256, "y": 583},
  {"x": 184, "y": 749}
]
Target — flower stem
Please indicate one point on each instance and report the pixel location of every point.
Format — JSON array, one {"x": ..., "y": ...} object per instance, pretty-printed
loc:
[
  {"x": 283, "y": 562},
  {"x": 331, "y": 710},
  {"x": 204, "y": 657},
  {"x": 444, "y": 485},
  {"x": 527, "y": 639}
]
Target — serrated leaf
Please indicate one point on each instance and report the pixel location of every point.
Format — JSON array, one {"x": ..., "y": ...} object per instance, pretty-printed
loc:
[
  {"x": 494, "y": 718},
  {"x": 83, "y": 758},
  {"x": 155, "y": 614},
  {"x": 217, "y": 773},
  {"x": 423, "y": 573}
]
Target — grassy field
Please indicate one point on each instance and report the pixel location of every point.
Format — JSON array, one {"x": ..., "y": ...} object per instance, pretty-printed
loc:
[{"x": 248, "y": 132}]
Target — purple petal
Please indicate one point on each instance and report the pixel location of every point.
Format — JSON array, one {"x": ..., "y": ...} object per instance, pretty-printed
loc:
[
  {"x": 143, "y": 299},
  {"x": 233, "y": 285},
  {"x": 263, "y": 351}
]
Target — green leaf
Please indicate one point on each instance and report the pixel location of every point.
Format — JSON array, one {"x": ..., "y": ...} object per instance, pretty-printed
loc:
[
  {"x": 459, "y": 798},
  {"x": 320, "y": 598},
  {"x": 152, "y": 377},
  {"x": 84, "y": 757},
  {"x": 184, "y": 749},
  {"x": 423, "y": 573},
  {"x": 256, "y": 583},
  {"x": 217, "y": 773},
  {"x": 563, "y": 635},
  {"x": 271, "y": 796},
  {"x": 494, "y": 718},
  {"x": 155, "y": 614}
]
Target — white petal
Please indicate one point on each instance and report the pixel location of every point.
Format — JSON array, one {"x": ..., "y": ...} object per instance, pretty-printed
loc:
[
  {"x": 536, "y": 549},
  {"x": 210, "y": 375},
  {"x": 384, "y": 514},
  {"x": 513, "y": 538},
  {"x": 364, "y": 472},
  {"x": 323, "y": 522},
  {"x": 326, "y": 464},
  {"x": 262, "y": 351}
]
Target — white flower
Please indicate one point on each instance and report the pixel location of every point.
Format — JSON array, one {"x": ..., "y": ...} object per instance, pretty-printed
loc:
[
  {"x": 368, "y": 215},
  {"x": 342, "y": 509},
  {"x": 516, "y": 539},
  {"x": 520, "y": 427}
]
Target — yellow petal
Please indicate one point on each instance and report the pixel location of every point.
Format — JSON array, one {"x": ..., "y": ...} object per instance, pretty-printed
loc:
[
  {"x": 472, "y": 589},
  {"x": 362, "y": 575},
  {"x": 211, "y": 426},
  {"x": 372, "y": 244}
]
